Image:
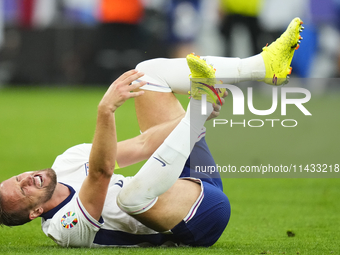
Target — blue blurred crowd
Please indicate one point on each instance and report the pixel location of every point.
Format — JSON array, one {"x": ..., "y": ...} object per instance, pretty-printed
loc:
[{"x": 92, "y": 41}]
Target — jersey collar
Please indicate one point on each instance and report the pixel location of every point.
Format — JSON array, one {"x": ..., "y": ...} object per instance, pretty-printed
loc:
[{"x": 50, "y": 213}]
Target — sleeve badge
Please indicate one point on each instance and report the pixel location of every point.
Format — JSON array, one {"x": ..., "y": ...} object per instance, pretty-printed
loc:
[{"x": 69, "y": 220}]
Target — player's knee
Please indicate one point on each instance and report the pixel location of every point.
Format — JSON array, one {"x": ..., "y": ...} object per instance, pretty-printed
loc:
[
  {"x": 148, "y": 65},
  {"x": 144, "y": 66},
  {"x": 133, "y": 202},
  {"x": 125, "y": 198}
]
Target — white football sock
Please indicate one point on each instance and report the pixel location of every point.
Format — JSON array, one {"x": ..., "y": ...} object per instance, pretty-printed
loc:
[
  {"x": 164, "y": 167},
  {"x": 173, "y": 75},
  {"x": 252, "y": 68}
]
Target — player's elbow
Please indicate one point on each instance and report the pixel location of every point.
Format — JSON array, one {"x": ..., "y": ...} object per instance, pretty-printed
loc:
[{"x": 104, "y": 170}]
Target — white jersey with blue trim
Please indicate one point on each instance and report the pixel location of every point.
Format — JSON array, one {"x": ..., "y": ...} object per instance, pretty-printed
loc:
[{"x": 70, "y": 225}]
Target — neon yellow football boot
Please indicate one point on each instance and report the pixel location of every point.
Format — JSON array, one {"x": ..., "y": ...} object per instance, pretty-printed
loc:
[
  {"x": 203, "y": 80},
  {"x": 278, "y": 55}
]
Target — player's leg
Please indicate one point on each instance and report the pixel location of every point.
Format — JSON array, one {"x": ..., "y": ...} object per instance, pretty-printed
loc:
[
  {"x": 142, "y": 197},
  {"x": 185, "y": 204},
  {"x": 209, "y": 215},
  {"x": 172, "y": 75},
  {"x": 154, "y": 108},
  {"x": 145, "y": 195}
]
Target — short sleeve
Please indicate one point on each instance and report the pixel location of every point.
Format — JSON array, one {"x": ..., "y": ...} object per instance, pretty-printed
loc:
[
  {"x": 72, "y": 157},
  {"x": 73, "y": 226}
]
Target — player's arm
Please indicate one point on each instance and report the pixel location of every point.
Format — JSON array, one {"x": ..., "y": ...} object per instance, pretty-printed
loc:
[
  {"x": 141, "y": 147},
  {"x": 104, "y": 147}
]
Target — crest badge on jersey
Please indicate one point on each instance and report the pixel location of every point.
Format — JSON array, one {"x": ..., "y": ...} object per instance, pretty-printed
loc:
[{"x": 69, "y": 220}]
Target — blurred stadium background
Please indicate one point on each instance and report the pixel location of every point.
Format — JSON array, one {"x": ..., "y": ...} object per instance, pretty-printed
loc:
[
  {"x": 56, "y": 54},
  {"x": 87, "y": 42}
]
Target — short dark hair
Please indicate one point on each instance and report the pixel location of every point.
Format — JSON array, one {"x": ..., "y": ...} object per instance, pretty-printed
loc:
[{"x": 14, "y": 218}]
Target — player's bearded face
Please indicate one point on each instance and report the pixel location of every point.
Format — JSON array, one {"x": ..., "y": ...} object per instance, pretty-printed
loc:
[
  {"x": 49, "y": 189},
  {"x": 28, "y": 190},
  {"x": 48, "y": 181}
]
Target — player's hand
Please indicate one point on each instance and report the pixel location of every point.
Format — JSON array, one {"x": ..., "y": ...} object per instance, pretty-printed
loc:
[
  {"x": 121, "y": 90},
  {"x": 217, "y": 107}
]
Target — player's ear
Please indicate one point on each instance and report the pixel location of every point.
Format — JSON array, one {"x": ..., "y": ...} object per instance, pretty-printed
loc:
[{"x": 34, "y": 213}]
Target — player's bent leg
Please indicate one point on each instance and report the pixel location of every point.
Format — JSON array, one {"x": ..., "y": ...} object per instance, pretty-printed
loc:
[
  {"x": 171, "y": 207},
  {"x": 152, "y": 193},
  {"x": 196, "y": 214},
  {"x": 163, "y": 168},
  {"x": 271, "y": 66},
  {"x": 153, "y": 108},
  {"x": 173, "y": 75},
  {"x": 159, "y": 104},
  {"x": 165, "y": 75}
]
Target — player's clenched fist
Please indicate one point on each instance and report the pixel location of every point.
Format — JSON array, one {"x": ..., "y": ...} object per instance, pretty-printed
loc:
[{"x": 121, "y": 90}]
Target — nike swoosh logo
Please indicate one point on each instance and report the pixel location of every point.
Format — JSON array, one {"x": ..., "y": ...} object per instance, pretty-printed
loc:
[{"x": 163, "y": 164}]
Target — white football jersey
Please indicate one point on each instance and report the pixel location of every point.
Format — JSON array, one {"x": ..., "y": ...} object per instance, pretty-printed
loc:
[{"x": 70, "y": 225}]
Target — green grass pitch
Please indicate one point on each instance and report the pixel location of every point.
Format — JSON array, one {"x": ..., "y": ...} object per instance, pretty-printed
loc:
[{"x": 269, "y": 215}]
